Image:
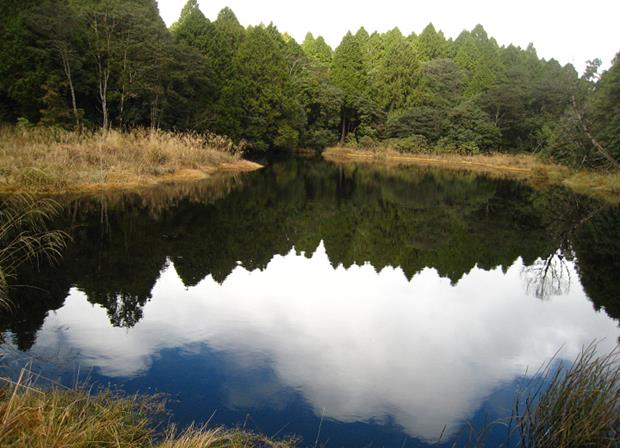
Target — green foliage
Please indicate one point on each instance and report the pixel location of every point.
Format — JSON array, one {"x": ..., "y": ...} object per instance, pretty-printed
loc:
[
  {"x": 605, "y": 110},
  {"x": 317, "y": 49},
  {"x": 349, "y": 74},
  {"x": 413, "y": 144},
  {"x": 441, "y": 84},
  {"x": 262, "y": 86},
  {"x": 395, "y": 76},
  {"x": 260, "y": 93},
  {"x": 349, "y": 71},
  {"x": 478, "y": 56},
  {"x": 431, "y": 44},
  {"x": 470, "y": 127},
  {"x": 588, "y": 132}
]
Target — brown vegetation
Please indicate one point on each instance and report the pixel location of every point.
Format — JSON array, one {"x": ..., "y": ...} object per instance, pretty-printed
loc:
[
  {"x": 58, "y": 417},
  {"x": 50, "y": 160},
  {"x": 580, "y": 407},
  {"x": 24, "y": 237},
  {"x": 523, "y": 167}
]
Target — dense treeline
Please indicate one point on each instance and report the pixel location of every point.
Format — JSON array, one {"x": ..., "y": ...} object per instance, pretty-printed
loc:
[{"x": 113, "y": 63}]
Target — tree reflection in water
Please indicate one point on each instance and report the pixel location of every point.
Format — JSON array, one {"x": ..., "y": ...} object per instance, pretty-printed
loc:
[{"x": 407, "y": 218}]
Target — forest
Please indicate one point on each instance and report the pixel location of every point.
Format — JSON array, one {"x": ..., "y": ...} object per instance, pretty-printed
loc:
[{"x": 88, "y": 64}]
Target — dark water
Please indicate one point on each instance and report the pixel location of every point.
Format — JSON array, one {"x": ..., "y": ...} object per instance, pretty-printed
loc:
[{"x": 351, "y": 306}]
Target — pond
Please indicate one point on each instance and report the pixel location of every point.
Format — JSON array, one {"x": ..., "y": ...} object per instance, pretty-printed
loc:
[{"x": 353, "y": 306}]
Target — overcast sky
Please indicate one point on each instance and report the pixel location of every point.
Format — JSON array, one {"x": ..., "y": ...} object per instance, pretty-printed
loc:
[{"x": 569, "y": 31}]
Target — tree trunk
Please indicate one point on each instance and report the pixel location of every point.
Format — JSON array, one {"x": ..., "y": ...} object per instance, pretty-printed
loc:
[
  {"x": 155, "y": 113},
  {"x": 343, "y": 133},
  {"x": 104, "y": 76},
  {"x": 601, "y": 150},
  {"x": 103, "y": 53},
  {"x": 64, "y": 55},
  {"x": 123, "y": 89}
]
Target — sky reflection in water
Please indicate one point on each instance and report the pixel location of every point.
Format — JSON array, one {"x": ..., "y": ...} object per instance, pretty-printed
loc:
[
  {"x": 357, "y": 344},
  {"x": 378, "y": 304}
]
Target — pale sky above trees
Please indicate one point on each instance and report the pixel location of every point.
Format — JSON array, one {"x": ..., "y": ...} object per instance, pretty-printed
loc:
[{"x": 569, "y": 31}]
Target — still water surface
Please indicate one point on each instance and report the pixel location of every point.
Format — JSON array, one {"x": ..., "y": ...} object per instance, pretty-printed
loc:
[{"x": 352, "y": 306}]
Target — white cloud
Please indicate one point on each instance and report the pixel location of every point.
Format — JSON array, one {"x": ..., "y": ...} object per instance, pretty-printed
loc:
[
  {"x": 356, "y": 344},
  {"x": 569, "y": 31}
]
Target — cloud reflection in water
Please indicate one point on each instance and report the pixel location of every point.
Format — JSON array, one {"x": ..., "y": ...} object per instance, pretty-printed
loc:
[{"x": 357, "y": 344}]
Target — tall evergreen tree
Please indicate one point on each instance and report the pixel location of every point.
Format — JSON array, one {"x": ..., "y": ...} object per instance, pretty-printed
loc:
[
  {"x": 431, "y": 44},
  {"x": 349, "y": 75}
]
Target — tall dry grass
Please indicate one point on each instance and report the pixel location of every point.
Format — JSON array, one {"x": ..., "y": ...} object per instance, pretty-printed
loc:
[
  {"x": 50, "y": 159},
  {"x": 32, "y": 417},
  {"x": 58, "y": 417},
  {"x": 573, "y": 405},
  {"x": 578, "y": 408},
  {"x": 223, "y": 438},
  {"x": 25, "y": 236}
]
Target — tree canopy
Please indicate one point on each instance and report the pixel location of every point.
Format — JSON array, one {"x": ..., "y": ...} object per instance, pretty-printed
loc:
[{"x": 113, "y": 63}]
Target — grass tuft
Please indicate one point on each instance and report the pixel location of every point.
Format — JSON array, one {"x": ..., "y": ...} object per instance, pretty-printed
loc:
[
  {"x": 579, "y": 408},
  {"x": 25, "y": 237},
  {"x": 34, "y": 417}
]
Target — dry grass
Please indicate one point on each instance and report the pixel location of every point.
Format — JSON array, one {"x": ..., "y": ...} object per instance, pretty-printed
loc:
[
  {"x": 565, "y": 406},
  {"x": 522, "y": 167},
  {"x": 31, "y": 417},
  {"x": 53, "y": 160},
  {"x": 59, "y": 418},
  {"x": 580, "y": 407},
  {"x": 223, "y": 438},
  {"x": 25, "y": 237}
]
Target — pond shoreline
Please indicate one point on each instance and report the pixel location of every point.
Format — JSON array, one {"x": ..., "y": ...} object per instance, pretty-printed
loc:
[{"x": 523, "y": 167}]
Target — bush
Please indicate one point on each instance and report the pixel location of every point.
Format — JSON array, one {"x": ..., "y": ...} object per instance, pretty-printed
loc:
[
  {"x": 367, "y": 142},
  {"x": 412, "y": 144},
  {"x": 446, "y": 145},
  {"x": 320, "y": 138},
  {"x": 287, "y": 138}
]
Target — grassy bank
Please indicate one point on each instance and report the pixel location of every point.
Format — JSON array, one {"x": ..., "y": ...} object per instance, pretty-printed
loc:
[
  {"x": 522, "y": 167},
  {"x": 59, "y": 418},
  {"x": 47, "y": 160}
]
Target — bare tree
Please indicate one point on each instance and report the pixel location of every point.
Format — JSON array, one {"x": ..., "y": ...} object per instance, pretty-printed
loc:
[{"x": 548, "y": 277}]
